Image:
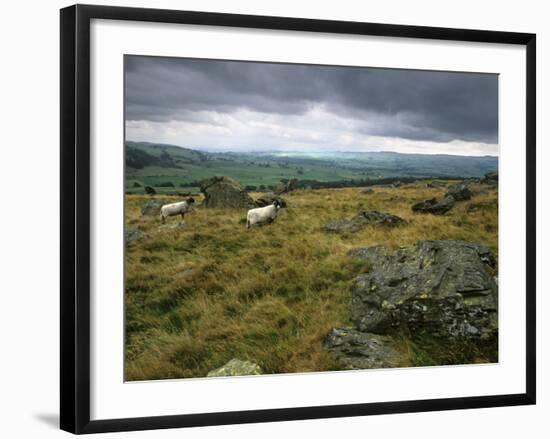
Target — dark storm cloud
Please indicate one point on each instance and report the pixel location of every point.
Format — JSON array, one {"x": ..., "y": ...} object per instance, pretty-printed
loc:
[{"x": 416, "y": 105}]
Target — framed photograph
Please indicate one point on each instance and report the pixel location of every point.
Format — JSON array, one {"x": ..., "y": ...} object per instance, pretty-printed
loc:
[{"x": 268, "y": 218}]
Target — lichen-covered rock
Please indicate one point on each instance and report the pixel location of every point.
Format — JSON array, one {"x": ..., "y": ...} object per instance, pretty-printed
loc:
[
  {"x": 360, "y": 350},
  {"x": 364, "y": 218},
  {"x": 152, "y": 207},
  {"x": 133, "y": 235},
  {"x": 374, "y": 217},
  {"x": 267, "y": 199},
  {"x": 224, "y": 192},
  {"x": 460, "y": 192},
  {"x": 434, "y": 207},
  {"x": 439, "y": 288},
  {"x": 236, "y": 367}
]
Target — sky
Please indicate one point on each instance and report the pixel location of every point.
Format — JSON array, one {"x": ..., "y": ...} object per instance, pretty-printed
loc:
[{"x": 249, "y": 106}]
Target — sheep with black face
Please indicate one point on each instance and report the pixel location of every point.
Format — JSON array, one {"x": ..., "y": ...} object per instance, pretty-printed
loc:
[
  {"x": 261, "y": 215},
  {"x": 180, "y": 208}
]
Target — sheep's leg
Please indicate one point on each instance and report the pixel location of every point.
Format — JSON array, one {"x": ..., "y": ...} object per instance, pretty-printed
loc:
[
  {"x": 182, "y": 215},
  {"x": 247, "y": 223}
]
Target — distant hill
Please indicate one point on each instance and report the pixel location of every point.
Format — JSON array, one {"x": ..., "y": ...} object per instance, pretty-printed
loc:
[{"x": 170, "y": 166}]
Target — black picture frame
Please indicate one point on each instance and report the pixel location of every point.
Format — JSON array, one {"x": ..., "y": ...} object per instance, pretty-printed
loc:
[{"x": 75, "y": 217}]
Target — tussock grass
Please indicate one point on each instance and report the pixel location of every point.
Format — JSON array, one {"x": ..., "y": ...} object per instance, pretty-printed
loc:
[{"x": 200, "y": 295}]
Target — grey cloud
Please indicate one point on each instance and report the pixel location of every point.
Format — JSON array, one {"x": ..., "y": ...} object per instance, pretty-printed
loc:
[{"x": 416, "y": 105}]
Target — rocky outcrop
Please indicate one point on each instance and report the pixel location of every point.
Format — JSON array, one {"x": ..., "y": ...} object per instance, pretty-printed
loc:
[
  {"x": 434, "y": 207},
  {"x": 445, "y": 290},
  {"x": 224, "y": 192},
  {"x": 236, "y": 367},
  {"x": 152, "y": 207},
  {"x": 362, "y": 219},
  {"x": 460, "y": 192}
]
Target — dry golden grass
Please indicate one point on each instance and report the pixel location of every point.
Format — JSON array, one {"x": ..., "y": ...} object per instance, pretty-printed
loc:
[{"x": 200, "y": 295}]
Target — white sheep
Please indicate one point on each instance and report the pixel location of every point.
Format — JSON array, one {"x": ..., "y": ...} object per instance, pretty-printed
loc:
[
  {"x": 262, "y": 214},
  {"x": 180, "y": 208}
]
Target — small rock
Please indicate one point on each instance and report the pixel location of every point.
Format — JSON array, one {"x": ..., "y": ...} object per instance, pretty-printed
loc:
[
  {"x": 375, "y": 217},
  {"x": 151, "y": 207},
  {"x": 224, "y": 192},
  {"x": 364, "y": 218},
  {"x": 361, "y": 350},
  {"x": 434, "y": 207},
  {"x": 368, "y": 191},
  {"x": 435, "y": 184},
  {"x": 460, "y": 192},
  {"x": 236, "y": 367},
  {"x": 133, "y": 235}
]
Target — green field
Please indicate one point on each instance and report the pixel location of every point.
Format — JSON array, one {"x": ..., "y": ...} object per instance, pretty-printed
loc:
[{"x": 172, "y": 169}]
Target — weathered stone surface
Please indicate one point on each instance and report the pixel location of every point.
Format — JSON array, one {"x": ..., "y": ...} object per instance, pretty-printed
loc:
[
  {"x": 236, "y": 367},
  {"x": 267, "y": 199},
  {"x": 362, "y": 219},
  {"x": 460, "y": 192},
  {"x": 375, "y": 217},
  {"x": 360, "y": 350},
  {"x": 133, "y": 235},
  {"x": 224, "y": 192},
  {"x": 440, "y": 288},
  {"x": 152, "y": 207},
  {"x": 434, "y": 207}
]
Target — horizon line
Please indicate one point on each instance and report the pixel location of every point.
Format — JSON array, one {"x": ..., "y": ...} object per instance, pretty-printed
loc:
[{"x": 207, "y": 149}]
